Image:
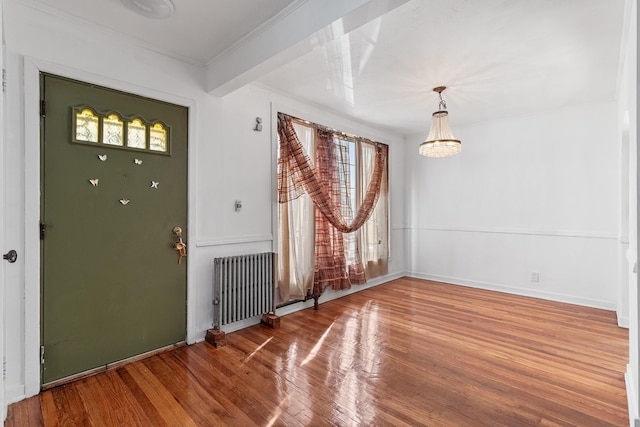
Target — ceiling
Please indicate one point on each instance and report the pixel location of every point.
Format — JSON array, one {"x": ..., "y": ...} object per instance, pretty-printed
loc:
[
  {"x": 198, "y": 31},
  {"x": 497, "y": 57}
]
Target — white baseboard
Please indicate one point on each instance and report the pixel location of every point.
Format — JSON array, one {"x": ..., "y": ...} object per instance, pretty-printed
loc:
[
  {"x": 14, "y": 393},
  {"x": 570, "y": 299},
  {"x": 331, "y": 294},
  {"x": 326, "y": 296},
  {"x": 623, "y": 321},
  {"x": 632, "y": 399}
]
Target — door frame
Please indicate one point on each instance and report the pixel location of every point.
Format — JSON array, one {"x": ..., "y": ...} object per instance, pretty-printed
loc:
[
  {"x": 3, "y": 243},
  {"x": 33, "y": 271}
]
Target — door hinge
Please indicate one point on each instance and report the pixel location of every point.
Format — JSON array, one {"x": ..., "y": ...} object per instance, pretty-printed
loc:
[
  {"x": 4, "y": 368},
  {"x": 4, "y": 79},
  {"x": 43, "y": 229},
  {"x": 42, "y": 355},
  {"x": 43, "y": 108}
]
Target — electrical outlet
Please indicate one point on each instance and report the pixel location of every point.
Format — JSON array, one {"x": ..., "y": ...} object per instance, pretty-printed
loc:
[{"x": 535, "y": 276}]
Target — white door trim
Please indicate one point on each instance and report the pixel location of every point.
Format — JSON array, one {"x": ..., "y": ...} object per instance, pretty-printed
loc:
[
  {"x": 3, "y": 248},
  {"x": 32, "y": 69}
]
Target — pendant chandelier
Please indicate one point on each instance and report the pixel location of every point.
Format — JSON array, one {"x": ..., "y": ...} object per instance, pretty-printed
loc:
[{"x": 440, "y": 142}]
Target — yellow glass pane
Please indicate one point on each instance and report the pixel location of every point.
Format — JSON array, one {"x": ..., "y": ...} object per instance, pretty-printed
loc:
[
  {"x": 158, "y": 138},
  {"x": 113, "y": 130},
  {"x": 136, "y": 134},
  {"x": 86, "y": 126}
]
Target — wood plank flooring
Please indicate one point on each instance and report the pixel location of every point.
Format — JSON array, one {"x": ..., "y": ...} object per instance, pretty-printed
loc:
[{"x": 406, "y": 353}]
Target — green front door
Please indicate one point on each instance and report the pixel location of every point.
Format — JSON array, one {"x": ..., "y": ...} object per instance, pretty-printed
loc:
[{"x": 114, "y": 186}]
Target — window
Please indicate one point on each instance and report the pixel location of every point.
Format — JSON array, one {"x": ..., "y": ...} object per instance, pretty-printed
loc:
[
  {"x": 86, "y": 125},
  {"x": 113, "y": 133},
  {"x": 347, "y": 165},
  {"x": 111, "y": 130},
  {"x": 136, "y": 134},
  {"x": 158, "y": 138}
]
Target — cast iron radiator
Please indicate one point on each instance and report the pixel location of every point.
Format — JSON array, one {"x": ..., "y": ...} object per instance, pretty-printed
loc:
[{"x": 243, "y": 287}]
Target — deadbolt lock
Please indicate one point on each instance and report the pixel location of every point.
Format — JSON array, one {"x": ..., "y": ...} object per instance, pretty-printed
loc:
[{"x": 10, "y": 256}]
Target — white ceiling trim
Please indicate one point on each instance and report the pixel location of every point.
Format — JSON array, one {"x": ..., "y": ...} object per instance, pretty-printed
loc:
[
  {"x": 289, "y": 36},
  {"x": 257, "y": 32},
  {"x": 108, "y": 33}
]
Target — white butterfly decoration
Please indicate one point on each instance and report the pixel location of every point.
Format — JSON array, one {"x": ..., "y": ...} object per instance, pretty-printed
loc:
[
  {"x": 94, "y": 182},
  {"x": 154, "y": 184},
  {"x": 137, "y": 161},
  {"x": 102, "y": 157},
  {"x": 124, "y": 201}
]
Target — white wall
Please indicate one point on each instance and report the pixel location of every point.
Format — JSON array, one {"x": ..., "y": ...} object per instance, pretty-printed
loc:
[
  {"x": 628, "y": 131},
  {"x": 534, "y": 194},
  {"x": 528, "y": 194},
  {"x": 228, "y": 161},
  {"x": 243, "y": 168}
]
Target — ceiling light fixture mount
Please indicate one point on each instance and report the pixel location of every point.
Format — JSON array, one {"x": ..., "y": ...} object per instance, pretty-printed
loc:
[
  {"x": 154, "y": 9},
  {"x": 440, "y": 142}
]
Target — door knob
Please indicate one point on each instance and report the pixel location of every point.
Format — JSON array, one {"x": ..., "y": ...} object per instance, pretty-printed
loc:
[
  {"x": 11, "y": 256},
  {"x": 179, "y": 245}
]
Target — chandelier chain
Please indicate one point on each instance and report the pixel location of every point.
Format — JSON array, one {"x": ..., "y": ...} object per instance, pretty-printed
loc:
[{"x": 442, "y": 105}]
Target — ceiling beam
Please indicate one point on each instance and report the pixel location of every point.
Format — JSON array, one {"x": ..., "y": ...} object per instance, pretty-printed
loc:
[{"x": 296, "y": 31}]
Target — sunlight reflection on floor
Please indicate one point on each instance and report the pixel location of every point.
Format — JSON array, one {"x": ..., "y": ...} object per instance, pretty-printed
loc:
[
  {"x": 256, "y": 350},
  {"x": 359, "y": 344},
  {"x": 277, "y": 412},
  {"x": 318, "y": 345}
]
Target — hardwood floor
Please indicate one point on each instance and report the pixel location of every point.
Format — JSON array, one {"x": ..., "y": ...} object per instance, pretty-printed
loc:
[{"x": 409, "y": 352}]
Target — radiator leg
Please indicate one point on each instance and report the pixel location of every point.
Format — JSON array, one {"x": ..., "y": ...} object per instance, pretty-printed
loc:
[
  {"x": 271, "y": 320},
  {"x": 216, "y": 338}
]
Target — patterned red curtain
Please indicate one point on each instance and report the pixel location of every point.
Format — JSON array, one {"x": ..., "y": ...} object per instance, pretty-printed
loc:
[{"x": 297, "y": 174}]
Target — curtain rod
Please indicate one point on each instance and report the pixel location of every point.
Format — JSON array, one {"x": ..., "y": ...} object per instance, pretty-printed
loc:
[{"x": 332, "y": 130}]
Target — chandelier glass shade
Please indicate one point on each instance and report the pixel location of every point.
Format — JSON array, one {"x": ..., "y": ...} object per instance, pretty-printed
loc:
[{"x": 440, "y": 141}]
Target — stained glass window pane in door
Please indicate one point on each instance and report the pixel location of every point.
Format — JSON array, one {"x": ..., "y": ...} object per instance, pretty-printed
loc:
[
  {"x": 136, "y": 134},
  {"x": 158, "y": 138},
  {"x": 86, "y": 126},
  {"x": 113, "y": 130}
]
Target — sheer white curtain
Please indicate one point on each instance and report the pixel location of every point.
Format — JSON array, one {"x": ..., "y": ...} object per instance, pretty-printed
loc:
[
  {"x": 324, "y": 178},
  {"x": 296, "y": 234},
  {"x": 373, "y": 237}
]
